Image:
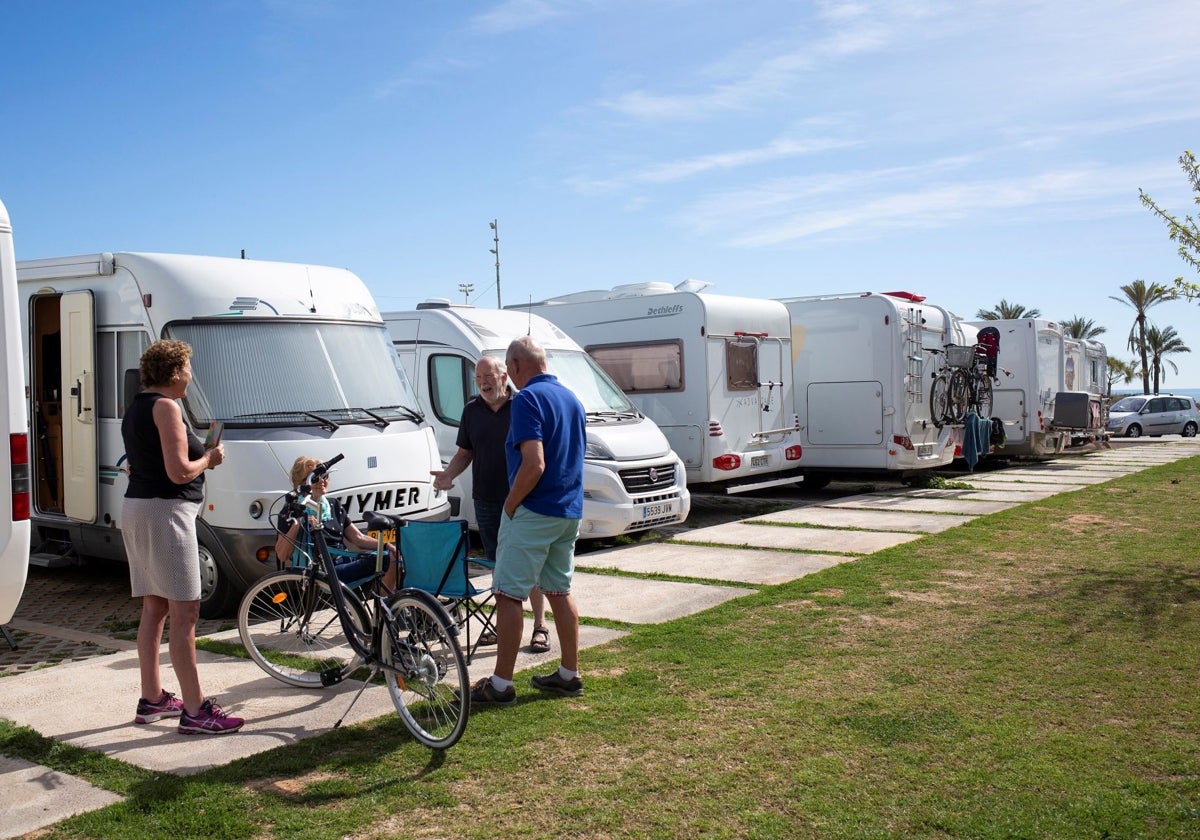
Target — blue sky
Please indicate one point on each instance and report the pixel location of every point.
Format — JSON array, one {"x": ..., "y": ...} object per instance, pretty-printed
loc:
[{"x": 968, "y": 151}]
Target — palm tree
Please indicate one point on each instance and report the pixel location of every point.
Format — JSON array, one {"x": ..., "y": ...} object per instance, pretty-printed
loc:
[
  {"x": 1160, "y": 343},
  {"x": 1079, "y": 327},
  {"x": 1121, "y": 371},
  {"x": 1005, "y": 311},
  {"x": 1141, "y": 297}
]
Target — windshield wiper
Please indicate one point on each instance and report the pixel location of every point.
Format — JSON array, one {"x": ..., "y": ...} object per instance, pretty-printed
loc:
[
  {"x": 324, "y": 421},
  {"x": 614, "y": 415},
  {"x": 410, "y": 413}
]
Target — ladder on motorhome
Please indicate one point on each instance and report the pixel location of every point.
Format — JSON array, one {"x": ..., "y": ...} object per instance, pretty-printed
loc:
[{"x": 914, "y": 383}]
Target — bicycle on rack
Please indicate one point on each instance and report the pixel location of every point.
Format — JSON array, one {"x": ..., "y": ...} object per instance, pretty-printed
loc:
[
  {"x": 307, "y": 628},
  {"x": 963, "y": 385}
]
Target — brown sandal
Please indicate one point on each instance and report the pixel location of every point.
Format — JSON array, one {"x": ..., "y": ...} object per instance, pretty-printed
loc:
[{"x": 540, "y": 640}]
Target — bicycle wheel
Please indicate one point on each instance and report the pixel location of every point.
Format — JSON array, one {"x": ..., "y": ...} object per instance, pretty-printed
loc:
[
  {"x": 983, "y": 395},
  {"x": 426, "y": 670},
  {"x": 960, "y": 394},
  {"x": 289, "y": 625},
  {"x": 939, "y": 401}
]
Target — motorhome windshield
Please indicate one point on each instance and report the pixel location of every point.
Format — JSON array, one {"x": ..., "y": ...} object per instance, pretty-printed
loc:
[
  {"x": 579, "y": 372},
  {"x": 276, "y": 373}
]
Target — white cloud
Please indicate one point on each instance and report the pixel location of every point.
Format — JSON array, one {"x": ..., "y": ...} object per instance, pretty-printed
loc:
[
  {"x": 859, "y": 205},
  {"x": 513, "y": 15}
]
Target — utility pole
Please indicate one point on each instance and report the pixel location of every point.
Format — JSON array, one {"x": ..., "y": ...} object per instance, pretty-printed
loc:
[
  {"x": 495, "y": 226},
  {"x": 466, "y": 289}
]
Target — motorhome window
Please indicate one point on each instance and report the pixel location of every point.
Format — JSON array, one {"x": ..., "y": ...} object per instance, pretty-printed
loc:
[
  {"x": 451, "y": 384},
  {"x": 579, "y": 372},
  {"x": 741, "y": 364},
  {"x": 106, "y": 373},
  {"x": 276, "y": 373},
  {"x": 642, "y": 368}
]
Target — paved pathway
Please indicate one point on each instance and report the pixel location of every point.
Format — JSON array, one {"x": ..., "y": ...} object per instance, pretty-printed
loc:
[{"x": 702, "y": 568}]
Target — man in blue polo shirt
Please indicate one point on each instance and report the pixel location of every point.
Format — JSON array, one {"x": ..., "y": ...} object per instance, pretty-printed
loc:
[{"x": 540, "y": 522}]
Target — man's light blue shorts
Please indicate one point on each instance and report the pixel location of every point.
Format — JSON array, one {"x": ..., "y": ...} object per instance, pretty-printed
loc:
[{"x": 534, "y": 550}]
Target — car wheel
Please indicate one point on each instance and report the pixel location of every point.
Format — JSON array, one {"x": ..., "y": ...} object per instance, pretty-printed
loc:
[
  {"x": 1134, "y": 431},
  {"x": 216, "y": 593},
  {"x": 1189, "y": 430}
]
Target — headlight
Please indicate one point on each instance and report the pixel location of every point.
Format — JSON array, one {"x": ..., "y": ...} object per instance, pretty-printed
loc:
[{"x": 597, "y": 451}]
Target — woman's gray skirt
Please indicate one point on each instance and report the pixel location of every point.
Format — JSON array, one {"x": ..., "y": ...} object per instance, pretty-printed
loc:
[{"x": 160, "y": 542}]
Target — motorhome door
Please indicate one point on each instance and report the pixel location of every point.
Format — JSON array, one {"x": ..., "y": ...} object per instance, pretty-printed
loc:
[{"x": 78, "y": 325}]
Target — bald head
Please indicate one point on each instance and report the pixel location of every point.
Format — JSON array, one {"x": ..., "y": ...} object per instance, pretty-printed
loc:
[{"x": 525, "y": 360}]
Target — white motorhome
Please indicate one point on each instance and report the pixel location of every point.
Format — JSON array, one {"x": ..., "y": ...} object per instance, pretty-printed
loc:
[
  {"x": 863, "y": 366},
  {"x": 14, "y": 428},
  {"x": 292, "y": 359},
  {"x": 713, "y": 371},
  {"x": 1029, "y": 379},
  {"x": 632, "y": 480},
  {"x": 1083, "y": 407}
]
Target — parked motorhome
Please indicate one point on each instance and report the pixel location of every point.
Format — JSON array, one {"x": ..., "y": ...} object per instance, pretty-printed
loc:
[
  {"x": 14, "y": 466},
  {"x": 291, "y": 359},
  {"x": 713, "y": 371},
  {"x": 1083, "y": 409},
  {"x": 863, "y": 366},
  {"x": 631, "y": 479},
  {"x": 1030, "y": 375}
]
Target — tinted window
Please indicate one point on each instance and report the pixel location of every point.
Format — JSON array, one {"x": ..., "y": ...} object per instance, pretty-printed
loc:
[{"x": 451, "y": 384}]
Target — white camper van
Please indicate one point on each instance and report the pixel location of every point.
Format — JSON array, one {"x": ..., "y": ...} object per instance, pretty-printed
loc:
[
  {"x": 14, "y": 465},
  {"x": 713, "y": 371},
  {"x": 632, "y": 480},
  {"x": 1030, "y": 377},
  {"x": 291, "y": 359},
  {"x": 863, "y": 366}
]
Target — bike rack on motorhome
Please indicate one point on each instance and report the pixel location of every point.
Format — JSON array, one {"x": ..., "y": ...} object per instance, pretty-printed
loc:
[
  {"x": 632, "y": 480},
  {"x": 713, "y": 371},
  {"x": 14, "y": 428},
  {"x": 255, "y": 328}
]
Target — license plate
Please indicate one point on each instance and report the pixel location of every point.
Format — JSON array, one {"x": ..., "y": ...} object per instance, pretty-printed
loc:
[
  {"x": 759, "y": 460},
  {"x": 660, "y": 509},
  {"x": 924, "y": 450}
]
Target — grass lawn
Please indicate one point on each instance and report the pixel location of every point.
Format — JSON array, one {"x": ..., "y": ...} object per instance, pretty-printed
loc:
[{"x": 1032, "y": 674}]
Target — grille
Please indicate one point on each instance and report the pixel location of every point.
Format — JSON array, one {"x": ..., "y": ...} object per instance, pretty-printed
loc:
[{"x": 648, "y": 479}]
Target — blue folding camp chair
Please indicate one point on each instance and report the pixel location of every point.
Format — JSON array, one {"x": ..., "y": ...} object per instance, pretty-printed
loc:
[
  {"x": 354, "y": 567},
  {"x": 435, "y": 560}
]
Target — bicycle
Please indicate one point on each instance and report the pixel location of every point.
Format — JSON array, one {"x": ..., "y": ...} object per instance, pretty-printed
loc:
[
  {"x": 307, "y": 628},
  {"x": 964, "y": 384}
]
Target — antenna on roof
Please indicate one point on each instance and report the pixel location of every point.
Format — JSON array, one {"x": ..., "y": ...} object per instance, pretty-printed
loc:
[{"x": 529, "y": 314}]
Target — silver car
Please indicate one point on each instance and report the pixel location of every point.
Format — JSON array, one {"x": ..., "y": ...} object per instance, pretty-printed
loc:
[{"x": 1161, "y": 414}]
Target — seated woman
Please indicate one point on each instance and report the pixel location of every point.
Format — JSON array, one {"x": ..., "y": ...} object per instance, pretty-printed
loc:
[{"x": 339, "y": 532}]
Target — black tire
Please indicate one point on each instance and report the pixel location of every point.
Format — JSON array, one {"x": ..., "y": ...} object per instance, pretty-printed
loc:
[
  {"x": 983, "y": 396},
  {"x": 1189, "y": 429},
  {"x": 217, "y": 595},
  {"x": 425, "y": 670},
  {"x": 939, "y": 402},
  {"x": 289, "y": 626},
  {"x": 815, "y": 481},
  {"x": 959, "y": 396},
  {"x": 1133, "y": 431}
]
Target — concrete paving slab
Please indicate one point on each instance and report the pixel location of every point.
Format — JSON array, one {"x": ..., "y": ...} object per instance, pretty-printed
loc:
[
  {"x": 1095, "y": 470},
  {"x": 1018, "y": 493},
  {"x": 876, "y": 520},
  {"x": 806, "y": 539},
  {"x": 641, "y": 601},
  {"x": 1025, "y": 486},
  {"x": 742, "y": 565},
  {"x": 962, "y": 507},
  {"x": 36, "y": 796},
  {"x": 48, "y": 701},
  {"x": 1073, "y": 477},
  {"x": 1017, "y": 477}
]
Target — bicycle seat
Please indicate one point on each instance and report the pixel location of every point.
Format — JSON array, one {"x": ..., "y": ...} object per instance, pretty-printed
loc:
[{"x": 382, "y": 521}]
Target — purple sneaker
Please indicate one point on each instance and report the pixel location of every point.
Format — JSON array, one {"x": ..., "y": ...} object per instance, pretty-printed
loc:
[
  {"x": 210, "y": 721},
  {"x": 168, "y": 705}
]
